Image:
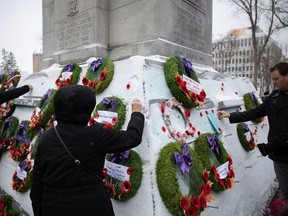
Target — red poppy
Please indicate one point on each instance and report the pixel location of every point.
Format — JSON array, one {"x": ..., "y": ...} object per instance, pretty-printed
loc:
[
  {"x": 191, "y": 211},
  {"x": 203, "y": 201},
  {"x": 187, "y": 113},
  {"x": 85, "y": 81},
  {"x": 184, "y": 203},
  {"x": 230, "y": 160},
  {"x": 102, "y": 76},
  {"x": 114, "y": 120},
  {"x": 129, "y": 171},
  {"x": 163, "y": 107},
  {"x": 92, "y": 121},
  {"x": 178, "y": 79},
  {"x": 68, "y": 81},
  {"x": 228, "y": 183},
  {"x": 92, "y": 84},
  {"x": 196, "y": 202},
  {"x": 126, "y": 187},
  {"x": 221, "y": 182},
  {"x": 206, "y": 175}
]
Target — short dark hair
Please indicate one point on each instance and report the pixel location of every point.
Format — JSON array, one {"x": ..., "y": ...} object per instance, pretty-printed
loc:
[{"x": 282, "y": 67}]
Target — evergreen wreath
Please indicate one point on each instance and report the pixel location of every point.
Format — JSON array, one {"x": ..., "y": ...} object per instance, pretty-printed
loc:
[
  {"x": 174, "y": 68},
  {"x": 113, "y": 104},
  {"x": 3, "y": 82},
  {"x": 19, "y": 148},
  {"x": 242, "y": 129},
  {"x": 8, "y": 127},
  {"x": 69, "y": 75},
  {"x": 44, "y": 111},
  {"x": 175, "y": 156},
  {"x": 99, "y": 74},
  {"x": 213, "y": 154},
  {"x": 166, "y": 108},
  {"x": 251, "y": 102},
  {"x": 6, "y": 208},
  {"x": 22, "y": 177},
  {"x": 123, "y": 191}
]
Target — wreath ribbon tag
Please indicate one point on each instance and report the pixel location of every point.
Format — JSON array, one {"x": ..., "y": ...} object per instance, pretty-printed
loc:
[
  {"x": 21, "y": 173},
  {"x": 223, "y": 170},
  {"x": 192, "y": 85},
  {"x": 65, "y": 75},
  {"x": 106, "y": 116},
  {"x": 117, "y": 171},
  {"x": 214, "y": 122}
]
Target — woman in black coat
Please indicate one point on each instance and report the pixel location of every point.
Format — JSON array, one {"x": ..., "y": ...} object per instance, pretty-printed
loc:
[
  {"x": 60, "y": 187},
  {"x": 11, "y": 94}
]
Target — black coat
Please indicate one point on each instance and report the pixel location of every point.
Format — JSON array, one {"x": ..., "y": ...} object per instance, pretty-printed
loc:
[
  {"x": 276, "y": 109},
  {"x": 13, "y": 93},
  {"x": 60, "y": 187}
]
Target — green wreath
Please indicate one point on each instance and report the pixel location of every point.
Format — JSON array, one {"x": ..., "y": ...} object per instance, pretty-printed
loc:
[
  {"x": 44, "y": 111},
  {"x": 99, "y": 74},
  {"x": 113, "y": 104},
  {"x": 6, "y": 207},
  {"x": 251, "y": 102},
  {"x": 242, "y": 129},
  {"x": 69, "y": 75},
  {"x": 199, "y": 189},
  {"x": 3, "y": 82},
  {"x": 19, "y": 148},
  {"x": 212, "y": 157},
  {"x": 174, "y": 68},
  {"x": 8, "y": 127},
  {"x": 123, "y": 191}
]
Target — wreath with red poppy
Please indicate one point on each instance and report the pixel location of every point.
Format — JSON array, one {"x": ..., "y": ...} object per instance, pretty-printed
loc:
[
  {"x": 211, "y": 158},
  {"x": 242, "y": 129},
  {"x": 112, "y": 104},
  {"x": 99, "y": 74},
  {"x": 8, "y": 127},
  {"x": 69, "y": 75},
  {"x": 123, "y": 191},
  {"x": 22, "y": 177},
  {"x": 166, "y": 108},
  {"x": 6, "y": 208},
  {"x": 44, "y": 111},
  {"x": 174, "y": 68},
  {"x": 20, "y": 142},
  {"x": 195, "y": 200}
]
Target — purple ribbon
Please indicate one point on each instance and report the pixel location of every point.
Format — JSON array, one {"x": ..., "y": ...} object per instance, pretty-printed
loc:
[
  {"x": 111, "y": 103},
  {"x": 8, "y": 122},
  {"x": 47, "y": 95},
  {"x": 95, "y": 64},
  {"x": 20, "y": 136},
  {"x": 252, "y": 96},
  {"x": 184, "y": 160},
  {"x": 118, "y": 157},
  {"x": 41, "y": 131},
  {"x": 23, "y": 166},
  {"x": 13, "y": 74},
  {"x": 69, "y": 67},
  {"x": 187, "y": 64},
  {"x": 213, "y": 142},
  {"x": 245, "y": 127}
]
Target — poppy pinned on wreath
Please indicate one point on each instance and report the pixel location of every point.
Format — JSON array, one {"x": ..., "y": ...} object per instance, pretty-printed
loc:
[
  {"x": 99, "y": 74},
  {"x": 215, "y": 160},
  {"x": 69, "y": 75},
  {"x": 183, "y": 82},
  {"x": 167, "y": 109},
  {"x": 122, "y": 174},
  {"x": 111, "y": 112},
  {"x": 245, "y": 137},
  {"x": 179, "y": 162}
]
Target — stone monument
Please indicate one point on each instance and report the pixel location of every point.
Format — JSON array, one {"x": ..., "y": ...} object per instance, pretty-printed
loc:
[{"x": 76, "y": 30}]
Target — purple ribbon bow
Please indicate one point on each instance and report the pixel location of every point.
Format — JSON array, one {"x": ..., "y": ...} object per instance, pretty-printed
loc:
[
  {"x": 41, "y": 131},
  {"x": 20, "y": 136},
  {"x": 23, "y": 166},
  {"x": 213, "y": 142},
  {"x": 252, "y": 96},
  {"x": 95, "y": 64},
  {"x": 184, "y": 160},
  {"x": 8, "y": 122},
  {"x": 69, "y": 67},
  {"x": 187, "y": 64},
  {"x": 118, "y": 157},
  {"x": 245, "y": 127},
  {"x": 111, "y": 103}
]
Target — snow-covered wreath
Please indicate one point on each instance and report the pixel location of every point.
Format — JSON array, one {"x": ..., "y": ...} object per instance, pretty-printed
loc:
[
  {"x": 166, "y": 109},
  {"x": 251, "y": 102},
  {"x": 8, "y": 127},
  {"x": 130, "y": 164},
  {"x": 215, "y": 160},
  {"x": 178, "y": 161},
  {"x": 99, "y": 74},
  {"x": 183, "y": 82},
  {"x": 245, "y": 137},
  {"x": 69, "y": 75},
  {"x": 44, "y": 111},
  {"x": 111, "y": 111}
]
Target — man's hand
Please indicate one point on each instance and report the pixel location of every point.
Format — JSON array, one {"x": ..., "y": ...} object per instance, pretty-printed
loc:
[
  {"x": 223, "y": 114},
  {"x": 136, "y": 105}
]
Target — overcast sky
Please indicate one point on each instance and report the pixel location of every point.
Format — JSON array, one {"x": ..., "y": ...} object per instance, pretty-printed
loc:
[{"x": 21, "y": 27}]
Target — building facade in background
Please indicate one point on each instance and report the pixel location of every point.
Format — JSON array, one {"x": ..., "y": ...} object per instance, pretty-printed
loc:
[
  {"x": 37, "y": 62},
  {"x": 233, "y": 55}
]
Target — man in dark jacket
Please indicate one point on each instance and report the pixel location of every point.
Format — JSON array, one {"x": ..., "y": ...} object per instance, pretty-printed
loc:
[
  {"x": 275, "y": 107},
  {"x": 60, "y": 186},
  {"x": 8, "y": 95}
]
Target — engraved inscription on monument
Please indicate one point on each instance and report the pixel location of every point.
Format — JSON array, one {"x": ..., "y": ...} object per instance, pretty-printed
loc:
[
  {"x": 74, "y": 31},
  {"x": 189, "y": 30}
]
